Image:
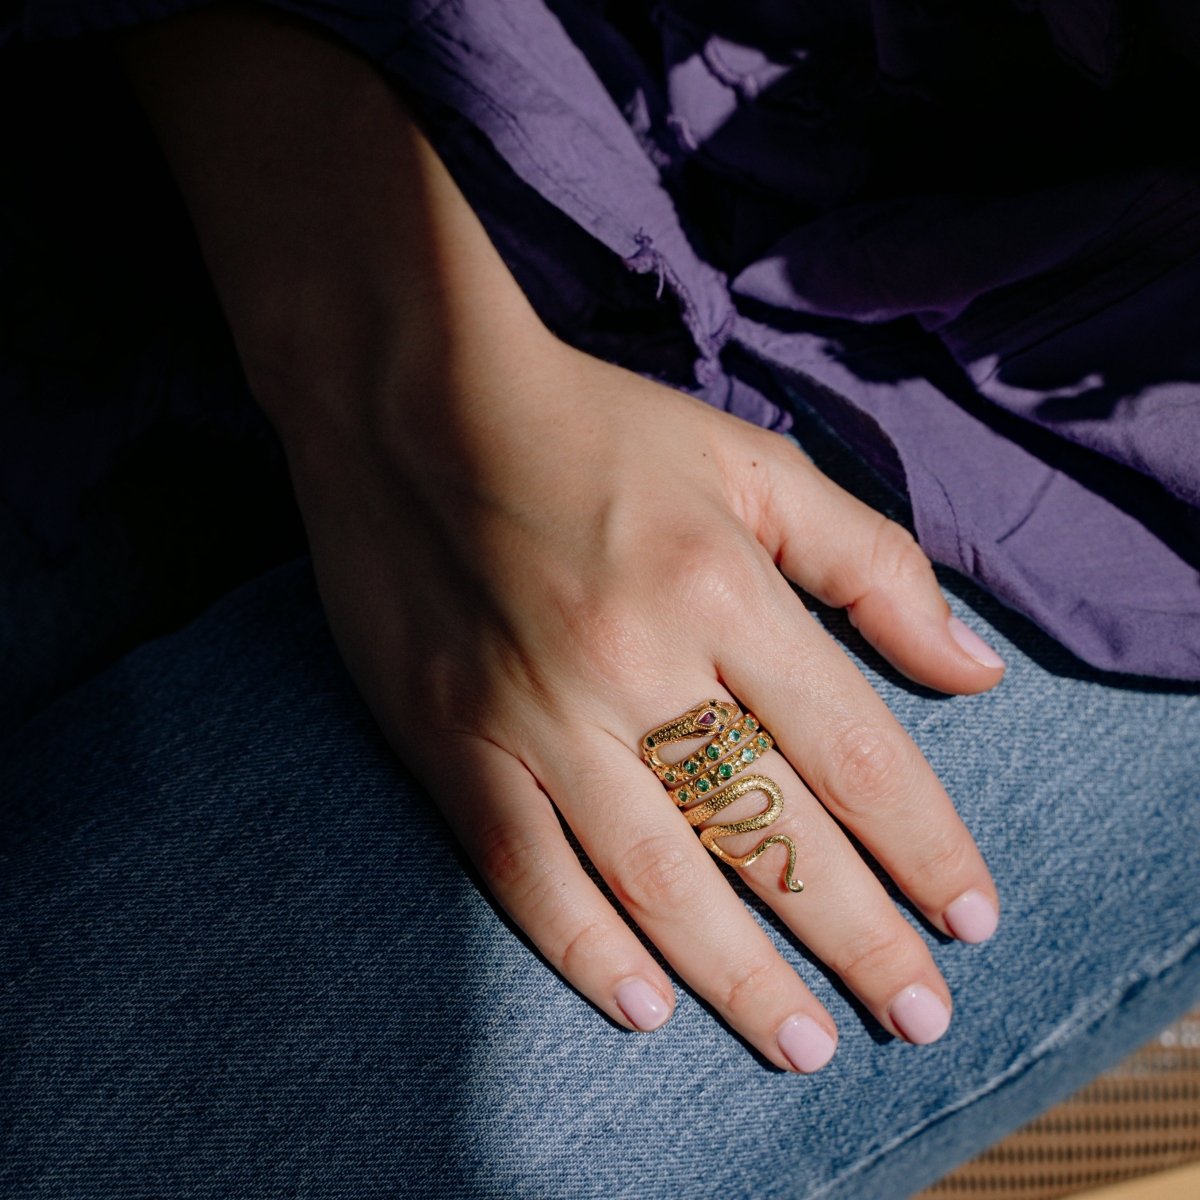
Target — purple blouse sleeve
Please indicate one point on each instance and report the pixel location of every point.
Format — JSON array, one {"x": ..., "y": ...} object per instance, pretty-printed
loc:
[{"x": 964, "y": 234}]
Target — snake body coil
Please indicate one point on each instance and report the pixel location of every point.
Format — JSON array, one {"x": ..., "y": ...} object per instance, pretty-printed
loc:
[
  {"x": 713, "y": 785},
  {"x": 727, "y": 795}
]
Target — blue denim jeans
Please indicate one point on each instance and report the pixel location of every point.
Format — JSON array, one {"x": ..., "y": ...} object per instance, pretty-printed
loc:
[{"x": 243, "y": 957}]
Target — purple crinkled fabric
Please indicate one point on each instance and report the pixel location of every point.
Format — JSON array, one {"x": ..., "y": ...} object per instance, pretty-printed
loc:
[{"x": 965, "y": 234}]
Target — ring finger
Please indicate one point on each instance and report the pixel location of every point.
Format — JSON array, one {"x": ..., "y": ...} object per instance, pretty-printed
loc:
[{"x": 673, "y": 889}]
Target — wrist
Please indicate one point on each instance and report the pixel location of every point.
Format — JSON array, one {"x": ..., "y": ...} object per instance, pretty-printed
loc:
[
  {"x": 394, "y": 379},
  {"x": 351, "y": 269}
]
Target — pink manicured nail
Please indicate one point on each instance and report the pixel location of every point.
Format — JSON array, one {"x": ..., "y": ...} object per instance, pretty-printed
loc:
[
  {"x": 973, "y": 644},
  {"x": 805, "y": 1044},
  {"x": 644, "y": 1007},
  {"x": 972, "y": 917},
  {"x": 919, "y": 1014}
]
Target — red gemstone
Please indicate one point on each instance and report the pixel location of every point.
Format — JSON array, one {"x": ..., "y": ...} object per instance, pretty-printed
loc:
[{"x": 706, "y": 718}]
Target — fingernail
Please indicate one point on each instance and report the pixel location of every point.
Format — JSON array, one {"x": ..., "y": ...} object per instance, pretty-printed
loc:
[
  {"x": 919, "y": 1015},
  {"x": 973, "y": 644},
  {"x": 641, "y": 1004},
  {"x": 804, "y": 1043},
  {"x": 972, "y": 917}
]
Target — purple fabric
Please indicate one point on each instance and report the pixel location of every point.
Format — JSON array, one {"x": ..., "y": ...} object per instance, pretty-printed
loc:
[{"x": 963, "y": 233}]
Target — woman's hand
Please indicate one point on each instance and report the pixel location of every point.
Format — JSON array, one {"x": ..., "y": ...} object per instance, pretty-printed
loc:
[
  {"x": 570, "y": 554},
  {"x": 530, "y": 557}
]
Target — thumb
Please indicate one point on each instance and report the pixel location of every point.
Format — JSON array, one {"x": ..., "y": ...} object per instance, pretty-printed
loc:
[{"x": 850, "y": 556}]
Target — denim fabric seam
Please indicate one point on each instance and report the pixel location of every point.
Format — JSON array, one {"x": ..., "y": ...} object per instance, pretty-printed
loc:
[{"x": 1086, "y": 1013}]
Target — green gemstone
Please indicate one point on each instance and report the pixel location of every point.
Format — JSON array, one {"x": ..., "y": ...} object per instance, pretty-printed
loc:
[
  {"x": 724, "y": 770},
  {"x": 762, "y": 742},
  {"x": 751, "y": 723},
  {"x": 734, "y": 736},
  {"x": 670, "y": 776},
  {"x": 691, "y": 766},
  {"x": 683, "y": 795},
  {"x": 713, "y": 752},
  {"x": 748, "y": 755},
  {"x": 702, "y": 785}
]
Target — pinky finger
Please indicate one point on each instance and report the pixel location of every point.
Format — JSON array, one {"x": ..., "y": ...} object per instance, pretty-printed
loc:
[{"x": 511, "y": 832}]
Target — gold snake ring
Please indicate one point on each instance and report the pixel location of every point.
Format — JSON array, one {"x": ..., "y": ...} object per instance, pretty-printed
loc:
[{"x": 736, "y": 740}]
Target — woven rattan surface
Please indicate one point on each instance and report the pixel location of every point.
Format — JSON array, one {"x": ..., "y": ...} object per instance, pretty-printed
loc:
[{"x": 1140, "y": 1117}]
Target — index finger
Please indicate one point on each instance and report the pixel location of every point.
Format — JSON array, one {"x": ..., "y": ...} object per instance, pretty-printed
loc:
[{"x": 844, "y": 742}]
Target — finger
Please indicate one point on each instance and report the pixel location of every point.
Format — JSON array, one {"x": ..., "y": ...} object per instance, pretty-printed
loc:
[
  {"x": 508, "y": 827},
  {"x": 673, "y": 889},
  {"x": 844, "y": 915},
  {"x": 862, "y": 765},
  {"x": 850, "y": 556}
]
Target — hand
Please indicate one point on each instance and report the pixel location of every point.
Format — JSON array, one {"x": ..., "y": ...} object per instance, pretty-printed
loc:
[
  {"x": 554, "y": 555},
  {"x": 561, "y": 556}
]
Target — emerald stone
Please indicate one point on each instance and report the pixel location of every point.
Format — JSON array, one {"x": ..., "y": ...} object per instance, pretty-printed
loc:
[
  {"x": 748, "y": 755},
  {"x": 734, "y": 736},
  {"x": 724, "y": 770},
  {"x": 751, "y": 723},
  {"x": 670, "y": 776},
  {"x": 691, "y": 766},
  {"x": 683, "y": 795},
  {"x": 762, "y": 742},
  {"x": 702, "y": 785},
  {"x": 713, "y": 752}
]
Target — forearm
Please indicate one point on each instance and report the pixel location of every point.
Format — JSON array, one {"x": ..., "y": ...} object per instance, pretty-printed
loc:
[{"x": 347, "y": 261}]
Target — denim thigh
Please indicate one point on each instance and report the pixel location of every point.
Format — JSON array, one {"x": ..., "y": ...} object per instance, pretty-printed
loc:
[{"x": 243, "y": 956}]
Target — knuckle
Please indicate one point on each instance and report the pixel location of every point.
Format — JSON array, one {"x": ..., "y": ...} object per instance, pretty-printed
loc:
[
  {"x": 581, "y": 949},
  {"x": 711, "y": 590},
  {"x": 708, "y": 587},
  {"x": 742, "y": 998},
  {"x": 947, "y": 856},
  {"x": 702, "y": 571},
  {"x": 442, "y": 676},
  {"x": 896, "y": 557},
  {"x": 607, "y": 633},
  {"x": 873, "y": 952},
  {"x": 520, "y": 873},
  {"x": 869, "y": 766},
  {"x": 656, "y": 875},
  {"x": 516, "y": 866}
]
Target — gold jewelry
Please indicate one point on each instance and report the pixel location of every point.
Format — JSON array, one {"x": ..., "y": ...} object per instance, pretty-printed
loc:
[
  {"x": 722, "y": 718},
  {"x": 742, "y": 751},
  {"x": 736, "y": 736},
  {"x": 709, "y": 716},
  {"x": 727, "y": 795}
]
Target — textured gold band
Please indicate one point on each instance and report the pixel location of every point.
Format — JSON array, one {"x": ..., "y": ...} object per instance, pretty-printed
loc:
[{"x": 737, "y": 740}]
